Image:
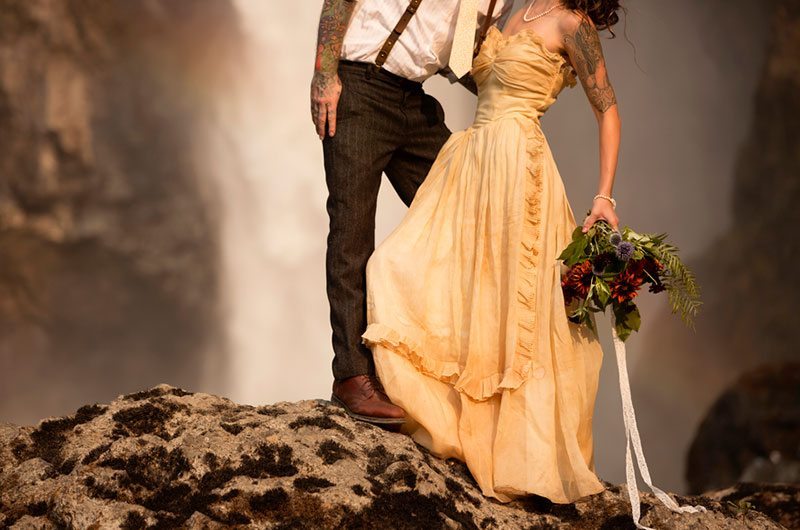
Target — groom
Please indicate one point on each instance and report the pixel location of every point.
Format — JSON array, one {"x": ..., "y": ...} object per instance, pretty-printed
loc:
[{"x": 373, "y": 117}]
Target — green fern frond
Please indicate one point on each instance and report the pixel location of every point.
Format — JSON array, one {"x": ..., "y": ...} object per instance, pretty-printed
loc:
[{"x": 679, "y": 281}]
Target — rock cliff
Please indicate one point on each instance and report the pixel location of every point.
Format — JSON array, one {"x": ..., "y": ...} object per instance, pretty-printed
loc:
[
  {"x": 751, "y": 433},
  {"x": 108, "y": 225},
  {"x": 168, "y": 458},
  {"x": 749, "y": 316}
]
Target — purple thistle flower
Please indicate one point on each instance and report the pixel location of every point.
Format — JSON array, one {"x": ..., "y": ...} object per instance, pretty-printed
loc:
[
  {"x": 615, "y": 238},
  {"x": 625, "y": 250}
]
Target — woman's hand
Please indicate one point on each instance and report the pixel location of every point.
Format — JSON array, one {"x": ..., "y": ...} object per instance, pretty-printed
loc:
[{"x": 601, "y": 209}]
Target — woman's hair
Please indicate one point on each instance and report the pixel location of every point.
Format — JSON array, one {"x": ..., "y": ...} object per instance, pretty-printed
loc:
[{"x": 602, "y": 12}]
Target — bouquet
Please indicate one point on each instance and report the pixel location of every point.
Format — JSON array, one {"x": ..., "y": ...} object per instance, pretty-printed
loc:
[{"x": 608, "y": 268}]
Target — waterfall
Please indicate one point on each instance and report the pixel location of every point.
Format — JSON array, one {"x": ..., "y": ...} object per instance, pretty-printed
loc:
[
  {"x": 273, "y": 195},
  {"x": 272, "y": 187}
]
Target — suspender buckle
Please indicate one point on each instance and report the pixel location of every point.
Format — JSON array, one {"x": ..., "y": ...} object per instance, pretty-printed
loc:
[
  {"x": 371, "y": 70},
  {"x": 396, "y": 32}
]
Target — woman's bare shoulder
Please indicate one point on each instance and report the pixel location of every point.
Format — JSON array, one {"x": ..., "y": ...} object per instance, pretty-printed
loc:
[{"x": 570, "y": 21}]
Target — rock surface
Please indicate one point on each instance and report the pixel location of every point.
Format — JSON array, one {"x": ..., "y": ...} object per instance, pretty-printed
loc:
[
  {"x": 752, "y": 432},
  {"x": 108, "y": 224},
  {"x": 168, "y": 458},
  {"x": 779, "y": 501}
]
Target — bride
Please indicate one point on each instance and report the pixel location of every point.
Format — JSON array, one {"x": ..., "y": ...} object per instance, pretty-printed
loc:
[{"x": 466, "y": 318}]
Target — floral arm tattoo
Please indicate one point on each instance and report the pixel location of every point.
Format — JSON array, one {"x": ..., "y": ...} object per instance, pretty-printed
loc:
[
  {"x": 583, "y": 47},
  {"x": 332, "y": 26}
]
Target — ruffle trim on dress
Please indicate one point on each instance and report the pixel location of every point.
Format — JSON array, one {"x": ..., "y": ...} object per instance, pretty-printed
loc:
[
  {"x": 483, "y": 388},
  {"x": 527, "y": 272},
  {"x": 477, "y": 388},
  {"x": 409, "y": 348}
]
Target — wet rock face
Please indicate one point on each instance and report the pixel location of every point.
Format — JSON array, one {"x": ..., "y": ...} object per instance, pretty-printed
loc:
[
  {"x": 167, "y": 458},
  {"x": 748, "y": 316},
  {"x": 108, "y": 224},
  {"x": 751, "y": 433}
]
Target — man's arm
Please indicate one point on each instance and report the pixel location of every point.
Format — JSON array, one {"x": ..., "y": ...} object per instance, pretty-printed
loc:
[{"x": 326, "y": 86}]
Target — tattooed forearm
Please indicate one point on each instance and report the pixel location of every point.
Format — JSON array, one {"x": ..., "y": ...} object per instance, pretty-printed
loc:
[
  {"x": 586, "y": 53},
  {"x": 332, "y": 26},
  {"x": 326, "y": 87}
]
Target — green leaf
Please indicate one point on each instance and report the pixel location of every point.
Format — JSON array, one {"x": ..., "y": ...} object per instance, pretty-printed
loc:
[
  {"x": 633, "y": 319},
  {"x": 623, "y": 331},
  {"x": 626, "y": 319},
  {"x": 603, "y": 292},
  {"x": 575, "y": 250},
  {"x": 589, "y": 323},
  {"x": 581, "y": 316}
]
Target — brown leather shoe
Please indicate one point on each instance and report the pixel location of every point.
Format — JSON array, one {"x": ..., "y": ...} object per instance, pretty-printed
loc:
[{"x": 363, "y": 398}]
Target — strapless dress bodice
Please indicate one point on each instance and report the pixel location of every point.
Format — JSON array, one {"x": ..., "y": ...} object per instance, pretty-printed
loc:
[{"x": 517, "y": 76}]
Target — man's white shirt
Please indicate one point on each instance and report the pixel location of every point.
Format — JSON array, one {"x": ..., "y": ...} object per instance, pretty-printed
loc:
[{"x": 424, "y": 47}]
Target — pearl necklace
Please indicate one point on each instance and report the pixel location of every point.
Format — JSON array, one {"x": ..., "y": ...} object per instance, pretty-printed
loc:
[{"x": 540, "y": 15}]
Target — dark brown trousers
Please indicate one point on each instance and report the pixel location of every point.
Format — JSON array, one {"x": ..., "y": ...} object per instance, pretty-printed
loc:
[{"x": 386, "y": 124}]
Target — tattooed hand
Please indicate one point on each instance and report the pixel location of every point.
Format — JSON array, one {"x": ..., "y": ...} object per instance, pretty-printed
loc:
[
  {"x": 586, "y": 54},
  {"x": 326, "y": 86},
  {"x": 325, "y": 91}
]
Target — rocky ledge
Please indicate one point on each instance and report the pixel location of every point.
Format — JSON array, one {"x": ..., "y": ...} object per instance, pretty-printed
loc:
[{"x": 168, "y": 458}]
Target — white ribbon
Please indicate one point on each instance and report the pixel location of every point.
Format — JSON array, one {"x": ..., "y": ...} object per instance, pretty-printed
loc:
[{"x": 632, "y": 435}]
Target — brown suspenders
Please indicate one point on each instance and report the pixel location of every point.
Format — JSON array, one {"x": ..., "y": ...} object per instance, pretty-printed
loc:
[
  {"x": 487, "y": 23},
  {"x": 406, "y": 18},
  {"x": 396, "y": 32}
]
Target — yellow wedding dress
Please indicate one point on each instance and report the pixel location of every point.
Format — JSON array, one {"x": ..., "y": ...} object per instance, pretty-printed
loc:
[{"x": 466, "y": 316}]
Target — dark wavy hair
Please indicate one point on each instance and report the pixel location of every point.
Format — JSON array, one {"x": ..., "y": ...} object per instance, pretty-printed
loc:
[{"x": 604, "y": 13}]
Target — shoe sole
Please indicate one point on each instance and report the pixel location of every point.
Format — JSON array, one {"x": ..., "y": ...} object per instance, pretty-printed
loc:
[{"x": 368, "y": 419}]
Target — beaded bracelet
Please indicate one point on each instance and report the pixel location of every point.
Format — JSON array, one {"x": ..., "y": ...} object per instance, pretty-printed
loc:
[{"x": 606, "y": 197}]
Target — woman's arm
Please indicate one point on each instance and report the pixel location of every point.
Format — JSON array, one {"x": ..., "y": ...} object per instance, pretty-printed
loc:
[
  {"x": 325, "y": 86},
  {"x": 582, "y": 44}
]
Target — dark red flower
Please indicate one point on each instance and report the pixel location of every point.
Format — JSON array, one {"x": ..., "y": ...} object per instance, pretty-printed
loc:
[
  {"x": 601, "y": 261},
  {"x": 577, "y": 281},
  {"x": 653, "y": 268},
  {"x": 625, "y": 285}
]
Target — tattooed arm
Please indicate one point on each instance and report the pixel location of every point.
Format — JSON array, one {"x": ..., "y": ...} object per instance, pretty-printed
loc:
[
  {"x": 582, "y": 45},
  {"x": 326, "y": 86},
  {"x": 586, "y": 54}
]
